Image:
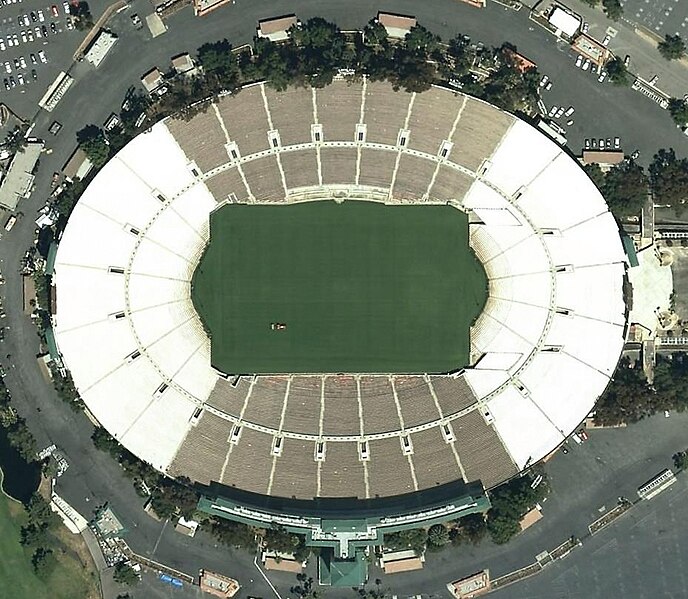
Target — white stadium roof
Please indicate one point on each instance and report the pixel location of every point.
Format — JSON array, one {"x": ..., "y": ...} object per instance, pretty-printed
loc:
[{"x": 546, "y": 344}]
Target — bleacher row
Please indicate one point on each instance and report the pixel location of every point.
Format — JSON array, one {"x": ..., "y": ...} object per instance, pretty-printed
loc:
[
  {"x": 344, "y": 410},
  {"x": 250, "y": 121}
]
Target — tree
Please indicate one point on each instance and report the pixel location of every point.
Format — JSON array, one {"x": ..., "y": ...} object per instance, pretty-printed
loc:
[
  {"x": 679, "y": 111},
  {"x": 81, "y": 13},
  {"x": 616, "y": 69},
  {"x": 21, "y": 438},
  {"x": 219, "y": 66},
  {"x": 92, "y": 141},
  {"x": 510, "y": 502},
  {"x": 125, "y": 574},
  {"x": 43, "y": 562},
  {"x": 438, "y": 535},
  {"x": 625, "y": 189},
  {"x": 321, "y": 51},
  {"x": 233, "y": 534},
  {"x": 680, "y": 460},
  {"x": 419, "y": 38},
  {"x": 613, "y": 9},
  {"x": 414, "y": 538},
  {"x": 174, "y": 497},
  {"x": 628, "y": 398},
  {"x": 470, "y": 528},
  {"x": 279, "y": 539},
  {"x": 595, "y": 173},
  {"x": 14, "y": 140},
  {"x": 669, "y": 179},
  {"x": 672, "y": 47}
]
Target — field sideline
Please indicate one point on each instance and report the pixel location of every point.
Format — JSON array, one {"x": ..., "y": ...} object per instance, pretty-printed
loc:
[{"x": 360, "y": 286}]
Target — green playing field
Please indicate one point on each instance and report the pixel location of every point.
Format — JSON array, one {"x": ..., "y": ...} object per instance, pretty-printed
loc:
[{"x": 360, "y": 286}]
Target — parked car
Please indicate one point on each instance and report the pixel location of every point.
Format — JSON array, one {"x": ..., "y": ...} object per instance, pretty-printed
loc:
[
  {"x": 34, "y": 18},
  {"x": 37, "y": 31},
  {"x": 22, "y": 62},
  {"x": 559, "y": 113},
  {"x": 586, "y": 64},
  {"x": 33, "y": 59},
  {"x": 569, "y": 111},
  {"x": 65, "y": 5},
  {"x": 583, "y": 435},
  {"x": 548, "y": 86},
  {"x": 606, "y": 40},
  {"x": 586, "y": 26},
  {"x": 44, "y": 30},
  {"x": 602, "y": 77},
  {"x": 552, "y": 111},
  {"x": 635, "y": 154},
  {"x": 627, "y": 60},
  {"x": 41, "y": 16},
  {"x": 8, "y": 67},
  {"x": 3, "y": 47},
  {"x": 601, "y": 144},
  {"x": 617, "y": 143},
  {"x": 42, "y": 57},
  {"x": 543, "y": 81},
  {"x": 579, "y": 61},
  {"x": 34, "y": 74},
  {"x": 20, "y": 79},
  {"x": 54, "y": 11},
  {"x": 569, "y": 123},
  {"x": 55, "y": 127},
  {"x": 6, "y": 83},
  {"x": 587, "y": 144},
  {"x": 53, "y": 27},
  {"x": 609, "y": 143},
  {"x": 23, "y": 36}
]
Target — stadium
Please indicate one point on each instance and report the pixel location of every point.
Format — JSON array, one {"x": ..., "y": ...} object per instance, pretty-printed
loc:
[{"x": 341, "y": 309}]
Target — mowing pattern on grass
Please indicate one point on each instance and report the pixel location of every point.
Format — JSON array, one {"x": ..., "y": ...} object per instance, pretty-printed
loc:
[{"x": 361, "y": 287}]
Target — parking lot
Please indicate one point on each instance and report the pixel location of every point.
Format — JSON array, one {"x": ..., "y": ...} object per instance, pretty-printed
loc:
[{"x": 28, "y": 33}]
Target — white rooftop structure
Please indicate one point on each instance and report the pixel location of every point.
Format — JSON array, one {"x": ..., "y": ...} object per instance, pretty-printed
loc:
[
  {"x": 18, "y": 181},
  {"x": 543, "y": 350},
  {"x": 564, "y": 21},
  {"x": 99, "y": 47}
]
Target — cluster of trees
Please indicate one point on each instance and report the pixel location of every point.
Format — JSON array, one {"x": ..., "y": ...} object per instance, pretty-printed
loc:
[
  {"x": 629, "y": 398},
  {"x": 18, "y": 433},
  {"x": 36, "y": 535},
  {"x": 510, "y": 502},
  {"x": 625, "y": 187},
  {"x": 617, "y": 72},
  {"x": 125, "y": 574},
  {"x": 672, "y": 47},
  {"x": 612, "y": 8},
  {"x": 315, "y": 52}
]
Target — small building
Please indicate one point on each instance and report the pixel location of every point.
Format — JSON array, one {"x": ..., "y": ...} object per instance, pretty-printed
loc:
[
  {"x": 18, "y": 181},
  {"x": 564, "y": 21},
  {"x": 78, "y": 165},
  {"x": 183, "y": 64},
  {"x": 397, "y": 26},
  {"x": 530, "y": 518},
  {"x": 605, "y": 158},
  {"x": 155, "y": 24},
  {"x": 56, "y": 91},
  {"x": 218, "y": 585},
  {"x": 152, "y": 80},
  {"x": 101, "y": 44},
  {"x": 338, "y": 572},
  {"x": 284, "y": 562},
  {"x": 393, "y": 562},
  {"x": 106, "y": 522},
  {"x": 203, "y": 7},
  {"x": 590, "y": 48},
  {"x": 186, "y": 527},
  {"x": 522, "y": 63},
  {"x": 471, "y": 586},
  {"x": 276, "y": 29}
]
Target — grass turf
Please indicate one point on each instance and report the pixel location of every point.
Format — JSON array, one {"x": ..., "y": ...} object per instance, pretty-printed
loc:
[
  {"x": 70, "y": 579},
  {"x": 361, "y": 286}
]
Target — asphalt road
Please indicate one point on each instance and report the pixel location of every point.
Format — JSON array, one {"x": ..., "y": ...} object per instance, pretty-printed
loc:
[{"x": 589, "y": 477}]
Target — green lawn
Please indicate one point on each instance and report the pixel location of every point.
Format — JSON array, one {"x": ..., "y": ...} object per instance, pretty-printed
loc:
[
  {"x": 71, "y": 578},
  {"x": 361, "y": 286}
]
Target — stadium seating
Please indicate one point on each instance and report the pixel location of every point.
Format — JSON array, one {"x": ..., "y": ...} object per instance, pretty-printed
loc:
[
  {"x": 303, "y": 415},
  {"x": 292, "y": 114},
  {"x": 230, "y": 399},
  {"x": 266, "y": 401},
  {"x": 250, "y": 463},
  {"x": 341, "y": 406},
  {"x": 338, "y": 165},
  {"x": 433, "y": 460},
  {"x": 453, "y": 394},
  {"x": 342, "y": 473},
  {"x": 300, "y": 168},
  {"x": 226, "y": 184},
  {"x": 377, "y": 167},
  {"x": 432, "y": 119},
  {"x": 389, "y": 471},
  {"x": 265, "y": 180},
  {"x": 296, "y": 472},
  {"x": 339, "y": 110},
  {"x": 201, "y": 138},
  {"x": 379, "y": 410},
  {"x": 413, "y": 177},
  {"x": 244, "y": 117},
  {"x": 417, "y": 404},
  {"x": 385, "y": 113}
]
